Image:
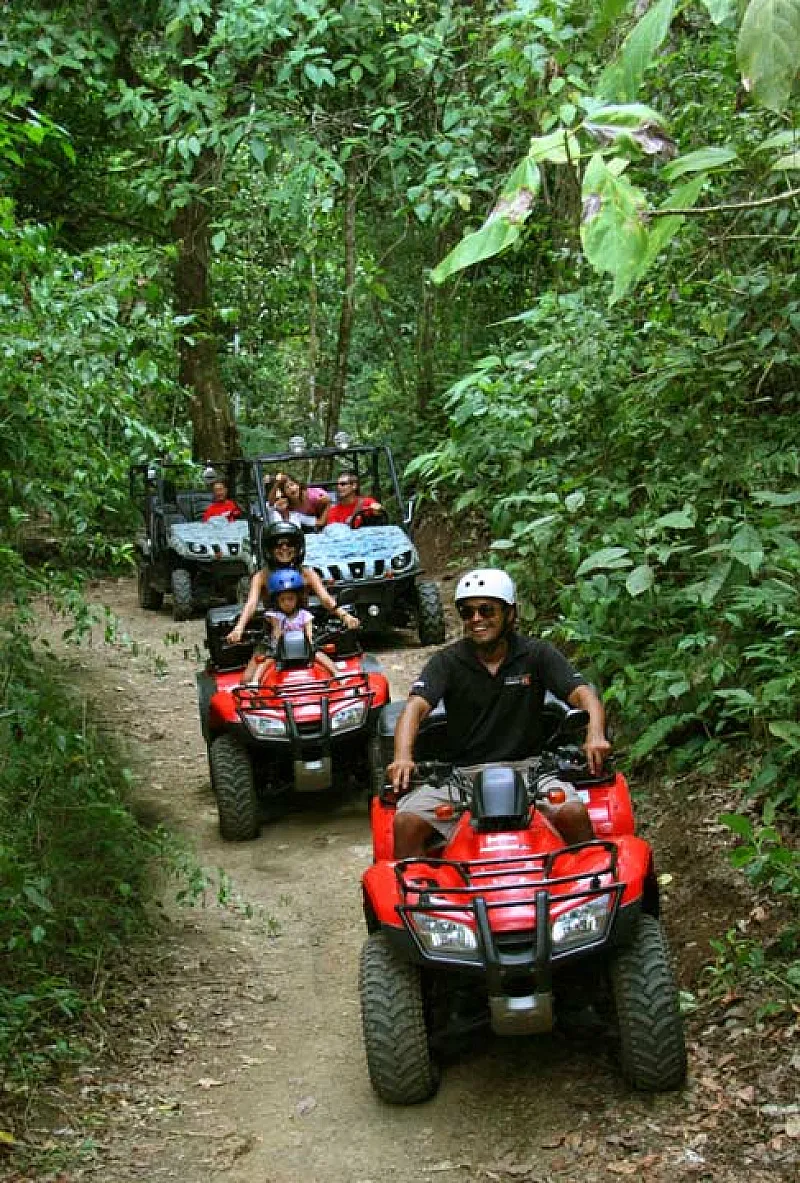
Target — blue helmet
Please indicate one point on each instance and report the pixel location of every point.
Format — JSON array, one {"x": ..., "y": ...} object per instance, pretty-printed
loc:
[{"x": 286, "y": 579}]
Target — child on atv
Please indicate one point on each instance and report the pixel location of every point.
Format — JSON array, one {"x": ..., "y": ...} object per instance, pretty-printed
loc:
[{"x": 287, "y": 614}]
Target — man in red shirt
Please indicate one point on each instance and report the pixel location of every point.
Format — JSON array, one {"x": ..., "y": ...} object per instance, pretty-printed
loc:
[
  {"x": 350, "y": 503},
  {"x": 222, "y": 504}
]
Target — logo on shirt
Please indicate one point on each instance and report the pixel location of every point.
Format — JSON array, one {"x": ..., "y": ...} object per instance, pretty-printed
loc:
[
  {"x": 417, "y": 686},
  {"x": 517, "y": 680}
]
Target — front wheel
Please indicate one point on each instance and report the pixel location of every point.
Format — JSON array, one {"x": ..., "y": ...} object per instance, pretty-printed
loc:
[
  {"x": 181, "y": 584},
  {"x": 430, "y": 613},
  {"x": 401, "y": 1069},
  {"x": 652, "y": 1046},
  {"x": 232, "y": 778}
]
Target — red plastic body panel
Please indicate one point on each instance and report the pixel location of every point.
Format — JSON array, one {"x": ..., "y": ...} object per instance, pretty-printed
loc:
[
  {"x": 305, "y": 687},
  {"x": 507, "y": 867}
]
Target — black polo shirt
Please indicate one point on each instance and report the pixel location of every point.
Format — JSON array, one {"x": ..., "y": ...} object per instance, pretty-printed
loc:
[{"x": 496, "y": 716}]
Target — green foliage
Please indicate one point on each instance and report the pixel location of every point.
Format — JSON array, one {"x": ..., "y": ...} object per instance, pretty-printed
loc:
[
  {"x": 739, "y": 960},
  {"x": 73, "y": 862},
  {"x": 627, "y": 487},
  {"x": 763, "y": 855},
  {"x": 769, "y": 50},
  {"x": 85, "y": 369}
]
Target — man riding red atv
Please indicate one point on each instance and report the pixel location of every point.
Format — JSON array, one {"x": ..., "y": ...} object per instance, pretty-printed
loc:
[
  {"x": 302, "y": 726},
  {"x": 523, "y": 893}
]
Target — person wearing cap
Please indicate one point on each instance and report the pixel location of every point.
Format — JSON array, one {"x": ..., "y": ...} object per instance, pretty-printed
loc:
[{"x": 493, "y": 683}]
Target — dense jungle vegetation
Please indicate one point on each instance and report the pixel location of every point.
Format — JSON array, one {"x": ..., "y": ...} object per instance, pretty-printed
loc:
[{"x": 548, "y": 249}]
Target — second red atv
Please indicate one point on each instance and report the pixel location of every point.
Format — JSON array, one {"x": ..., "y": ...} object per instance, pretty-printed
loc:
[
  {"x": 301, "y": 731},
  {"x": 505, "y": 926}
]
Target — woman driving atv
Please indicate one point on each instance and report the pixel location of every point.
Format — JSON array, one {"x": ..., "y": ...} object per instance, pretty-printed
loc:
[
  {"x": 287, "y": 614},
  {"x": 284, "y": 546}
]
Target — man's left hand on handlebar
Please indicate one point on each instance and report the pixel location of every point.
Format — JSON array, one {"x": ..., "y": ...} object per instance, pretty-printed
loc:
[
  {"x": 597, "y": 748},
  {"x": 400, "y": 773}
]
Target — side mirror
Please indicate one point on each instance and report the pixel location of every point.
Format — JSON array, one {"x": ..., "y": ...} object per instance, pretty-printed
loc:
[{"x": 411, "y": 506}]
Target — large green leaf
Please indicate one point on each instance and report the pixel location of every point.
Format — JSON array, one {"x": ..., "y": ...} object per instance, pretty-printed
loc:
[
  {"x": 558, "y": 147},
  {"x": 787, "y": 163},
  {"x": 622, "y": 78},
  {"x": 501, "y": 228},
  {"x": 610, "y": 558},
  {"x": 720, "y": 10},
  {"x": 631, "y": 125},
  {"x": 612, "y": 227},
  {"x": 787, "y": 730},
  {"x": 663, "y": 229},
  {"x": 701, "y": 160},
  {"x": 746, "y": 546},
  {"x": 640, "y": 580},
  {"x": 769, "y": 50}
]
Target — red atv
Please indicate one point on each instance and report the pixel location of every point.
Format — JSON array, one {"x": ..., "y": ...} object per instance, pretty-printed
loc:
[
  {"x": 506, "y": 926},
  {"x": 301, "y": 731}
]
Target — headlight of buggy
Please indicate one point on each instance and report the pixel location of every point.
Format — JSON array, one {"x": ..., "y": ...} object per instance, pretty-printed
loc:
[
  {"x": 437, "y": 934},
  {"x": 401, "y": 561},
  {"x": 265, "y": 726},
  {"x": 198, "y": 548},
  {"x": 349, "y": 717},
  {"x": 580, "y": 926}
]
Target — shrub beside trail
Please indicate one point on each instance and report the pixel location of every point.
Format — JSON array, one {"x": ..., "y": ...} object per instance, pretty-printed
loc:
[{"x": 74, "y": 879}]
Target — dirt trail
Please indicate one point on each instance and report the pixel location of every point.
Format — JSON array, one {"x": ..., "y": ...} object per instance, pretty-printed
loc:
[{"x": 244, "y": 1060}]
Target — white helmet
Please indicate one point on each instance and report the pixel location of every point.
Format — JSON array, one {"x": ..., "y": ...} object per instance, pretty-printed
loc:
[{"x": 489, "y": 583}]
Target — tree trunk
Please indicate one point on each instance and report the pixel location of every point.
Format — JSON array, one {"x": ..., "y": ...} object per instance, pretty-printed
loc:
[
  {"x": 214, "y": 429},
  {"x": 426, "y": 347},
  {"x": 339, "y": 379}
]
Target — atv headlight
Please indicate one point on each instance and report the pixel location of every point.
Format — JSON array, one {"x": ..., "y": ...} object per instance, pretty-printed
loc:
[
  {"x": 349, "y": 717},
  {"x": 437, "y": 934},
  {"x": 403, "y": 560},
  {"x": 580, "y": 926},
  {"x": 265, "y": 726},
  {"x": 198, "y": 548}
]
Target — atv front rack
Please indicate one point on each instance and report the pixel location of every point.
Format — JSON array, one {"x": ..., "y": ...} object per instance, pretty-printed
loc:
[
  {"x": 289, "y": 699},
  {"x": 535, "y": 884}
]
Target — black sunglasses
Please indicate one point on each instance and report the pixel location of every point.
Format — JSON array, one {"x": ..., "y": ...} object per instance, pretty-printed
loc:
[
  {"x": 341, "y": 484},
  {"x": 484, "y": 611}
]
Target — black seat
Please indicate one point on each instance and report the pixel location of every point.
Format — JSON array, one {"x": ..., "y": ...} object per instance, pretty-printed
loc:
[{"x": 192, "y": 505}]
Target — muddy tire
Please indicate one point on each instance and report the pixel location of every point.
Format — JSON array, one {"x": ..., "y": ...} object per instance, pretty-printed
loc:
[
  {"x": 232, "y": 779},
  {"x": 652, "y": 1045},
  {"x": 430, "y": 613},
  {"x": 181, "y": 584},
  {"x": 149, "y": 597},
  {"x": 377, "y": 768},
  {"x": 401, "y": 1069},
  {"x": 242, "y": 588}
]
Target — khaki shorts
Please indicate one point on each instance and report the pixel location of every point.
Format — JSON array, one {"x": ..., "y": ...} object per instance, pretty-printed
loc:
[{"x": 423, "y": 802}]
